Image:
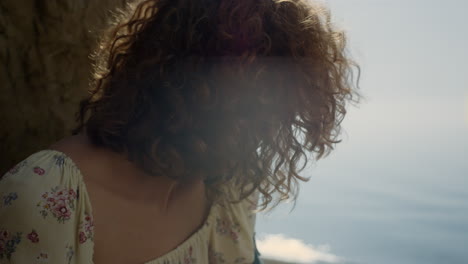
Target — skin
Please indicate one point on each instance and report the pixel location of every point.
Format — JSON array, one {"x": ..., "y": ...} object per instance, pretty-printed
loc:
[{"x": 137, "y": 217}]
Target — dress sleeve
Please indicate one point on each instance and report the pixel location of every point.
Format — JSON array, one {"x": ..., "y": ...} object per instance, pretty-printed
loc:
[
  {"x": 44, "y": 217},
  {"x": 233, "y": 239}
]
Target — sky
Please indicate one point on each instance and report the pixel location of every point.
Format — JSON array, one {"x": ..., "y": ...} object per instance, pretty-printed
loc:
[{"x": 396, "y": 189}]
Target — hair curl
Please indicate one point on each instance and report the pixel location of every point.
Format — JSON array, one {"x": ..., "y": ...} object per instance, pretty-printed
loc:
[{"x": 228, "y": 90}]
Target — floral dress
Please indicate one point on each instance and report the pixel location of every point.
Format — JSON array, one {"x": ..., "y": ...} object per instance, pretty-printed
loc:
[{"x": 46, "y": 217}]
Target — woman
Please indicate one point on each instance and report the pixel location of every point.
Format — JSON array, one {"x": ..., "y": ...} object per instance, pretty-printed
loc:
[{"x": 199, "y": 112}]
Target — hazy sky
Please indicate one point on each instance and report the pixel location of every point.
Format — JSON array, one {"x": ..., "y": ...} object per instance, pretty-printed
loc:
[{"x": 396, "y": 189}]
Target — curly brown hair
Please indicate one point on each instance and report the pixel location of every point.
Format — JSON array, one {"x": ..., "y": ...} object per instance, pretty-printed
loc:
[{"x": 228, "y": 90}]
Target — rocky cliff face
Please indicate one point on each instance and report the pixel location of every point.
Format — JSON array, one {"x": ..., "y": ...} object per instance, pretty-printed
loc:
[{"x": 44, "y": 69}]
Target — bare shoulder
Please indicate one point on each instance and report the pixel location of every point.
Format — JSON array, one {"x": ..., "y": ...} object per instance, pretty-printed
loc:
[
  {"x": 69, "y": 144},
  {"x": 86, "y": 157},
  {"x": 72, "y": 145}
]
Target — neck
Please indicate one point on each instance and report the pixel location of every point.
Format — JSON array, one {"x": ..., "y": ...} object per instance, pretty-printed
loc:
[{"x": 124, "y": 178}]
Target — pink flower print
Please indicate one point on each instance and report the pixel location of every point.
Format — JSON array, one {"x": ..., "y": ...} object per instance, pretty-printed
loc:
[
  {"x": 39, "y": 170},
  {"x": 72, "y": 193},
  {"x": 61, "y": 211},
  {"x": 14, "y": 169},
  {"x": 234, "y": 236},
  {"x": 59, "y": 202},
  {"x": 188, "y": 259},
  {"x": 33, "y": 236},
  {"x": 61, "y": 196},
  {"x": 65, "y": 195},
  {"x": 42, "y": 256},
  {"x": 226, "y": 228},
  {"x": 82, "y": 237},
  {"x": 87, "y": 228}
]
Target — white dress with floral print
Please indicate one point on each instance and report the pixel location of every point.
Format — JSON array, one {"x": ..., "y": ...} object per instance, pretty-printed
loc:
[{"x": 46, "y": 217}]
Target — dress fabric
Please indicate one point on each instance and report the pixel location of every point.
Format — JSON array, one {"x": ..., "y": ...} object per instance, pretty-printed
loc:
[{"x": 46, "y": 217}]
